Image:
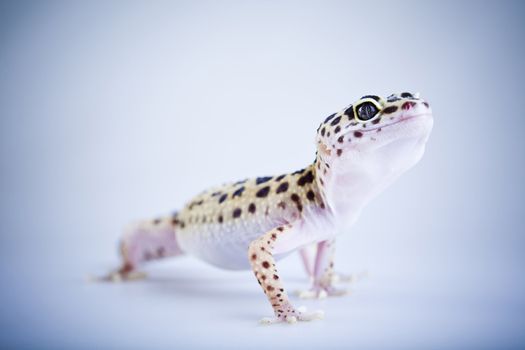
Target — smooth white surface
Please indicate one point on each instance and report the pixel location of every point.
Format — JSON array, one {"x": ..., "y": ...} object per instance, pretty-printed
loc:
[
  {"x": 187, "y": 304},
  {"x": 111, "y": 113}
]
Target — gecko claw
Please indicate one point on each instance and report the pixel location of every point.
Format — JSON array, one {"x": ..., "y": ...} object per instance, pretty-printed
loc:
[
  {"x": 300, "y": 316},
  {"x": 321, "y": 293},
  {"x": 353, "y": 278},
  {"x": 291, "y": 319},
  {"x": 269, "y": 320},
  {"x": 120, "y": 275}
]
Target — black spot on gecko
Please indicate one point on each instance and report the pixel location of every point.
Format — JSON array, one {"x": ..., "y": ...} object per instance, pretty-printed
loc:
[
  {"x": 220, "y": 219},
  {"x": 237, "y": 212},
  {"x": 339, "y": 152},
  {"x": 336, "y": 121},
  {"x": 261, "y": 180},
  {"x": 323, "y": 130},
  {"x": 190, "y": 207},
  {"x": 340, "y": 139},
  {"x": 223, "y": 198},
  {"x": 282, "y": 187},
  {"x": 240, "y": 182},
  {"x": 280, "y": 177},
  {"x": 306, "y": 178},
  {"x": 266, "y": 264},
  {"x": 263, "y": 192},
  {"x": 392, "y": 98},
  {"x": 350, "y": 113},
  {"x": 297, "y": 201},
  {"x": 251, "y": 208},
  {"x": 310, "y": 195},
  {"x": 373, "y": 97},
  {"x": 329, "y": 117},
  {"x": 376, "y": 121},
  {"x": 358, "y": 134},
  {"x": 337, "y": 129},
  {"x": 298, "y": 172},
  {"x": 238, "y": 193},
  {"x": 390, "y": 109}
]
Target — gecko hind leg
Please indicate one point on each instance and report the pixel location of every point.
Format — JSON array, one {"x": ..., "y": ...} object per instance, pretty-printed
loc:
[
  {"x": 143, "y": 242},
  {"x": 260, "y": 255}
]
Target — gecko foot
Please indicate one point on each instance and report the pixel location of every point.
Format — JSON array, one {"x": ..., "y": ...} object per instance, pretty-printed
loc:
[
  {"x": 293, "y": 316},
  {"x": 352, "y": 278},
  {"x": 321, "y": 293},
  {"x": 125, "y": 273}
]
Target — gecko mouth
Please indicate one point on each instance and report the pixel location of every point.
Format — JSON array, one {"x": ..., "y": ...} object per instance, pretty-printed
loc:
[{"x": 401, "y": 120}]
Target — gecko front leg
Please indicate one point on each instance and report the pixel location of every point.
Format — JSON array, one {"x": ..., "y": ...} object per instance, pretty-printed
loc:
[{"x": 263, "y": 265}]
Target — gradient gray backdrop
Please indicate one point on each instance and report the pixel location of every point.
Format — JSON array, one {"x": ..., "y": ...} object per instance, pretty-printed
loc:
[{"x": 114, "y": 111}]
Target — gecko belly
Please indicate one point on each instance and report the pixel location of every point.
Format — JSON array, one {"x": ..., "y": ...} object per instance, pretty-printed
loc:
[
  {"x": 224, "y": 246},
  {"x": 227, "y": 247}
]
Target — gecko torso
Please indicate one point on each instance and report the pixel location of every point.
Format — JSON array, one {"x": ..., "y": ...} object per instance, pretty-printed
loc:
[{"x": 252, "y": 223}]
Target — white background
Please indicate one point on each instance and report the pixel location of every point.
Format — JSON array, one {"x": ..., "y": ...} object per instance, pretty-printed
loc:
[{"x": 115, "y": 112}]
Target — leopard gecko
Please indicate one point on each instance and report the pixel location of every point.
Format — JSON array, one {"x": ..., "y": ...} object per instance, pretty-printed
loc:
[{"x": 251, "y": 224}]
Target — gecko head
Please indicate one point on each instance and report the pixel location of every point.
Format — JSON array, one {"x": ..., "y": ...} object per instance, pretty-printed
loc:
[{"x": 375, "y": 123}]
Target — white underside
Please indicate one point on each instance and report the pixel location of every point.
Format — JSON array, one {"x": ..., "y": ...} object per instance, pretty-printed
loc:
[{"x": 227, "y": 247}]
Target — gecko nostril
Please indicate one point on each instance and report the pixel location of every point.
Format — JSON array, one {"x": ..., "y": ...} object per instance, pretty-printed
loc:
[{"x": 407, "y": 105}]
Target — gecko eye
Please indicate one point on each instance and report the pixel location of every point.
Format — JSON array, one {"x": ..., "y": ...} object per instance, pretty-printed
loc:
[{"x": 366, "y": 111}]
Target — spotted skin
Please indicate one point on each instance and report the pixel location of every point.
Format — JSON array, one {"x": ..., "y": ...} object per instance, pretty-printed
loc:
[
  {"x": 252, "y": 223},
  {"x": 260, "y": 253}
]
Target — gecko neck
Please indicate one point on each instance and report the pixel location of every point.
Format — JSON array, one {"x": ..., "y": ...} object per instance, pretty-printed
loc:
[{"x": 347, "y": 183}]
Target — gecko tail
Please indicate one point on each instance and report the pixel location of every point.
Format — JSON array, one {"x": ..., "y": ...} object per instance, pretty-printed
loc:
[
  {"x": 144, "y": 241},
  {"x": 149, "y": 240}
]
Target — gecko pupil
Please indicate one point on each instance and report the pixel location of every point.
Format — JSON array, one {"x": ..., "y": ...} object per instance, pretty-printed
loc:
[{"x": 367, "y": 111}]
